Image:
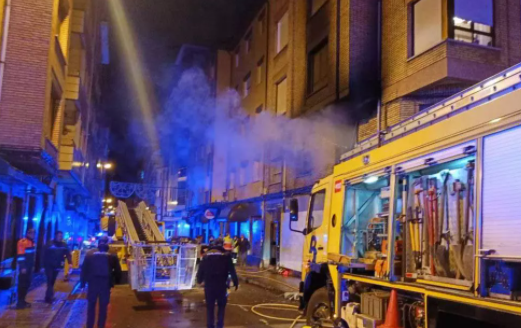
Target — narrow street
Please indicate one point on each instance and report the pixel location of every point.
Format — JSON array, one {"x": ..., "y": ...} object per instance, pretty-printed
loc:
[{"x": 182, "y": 310}]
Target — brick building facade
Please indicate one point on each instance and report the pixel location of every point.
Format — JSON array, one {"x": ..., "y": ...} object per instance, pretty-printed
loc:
[
  {"x": 52, "y": 134},
  {"x": 303, "y": 61}
]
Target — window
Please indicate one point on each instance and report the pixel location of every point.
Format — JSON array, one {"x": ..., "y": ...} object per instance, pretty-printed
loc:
[
  {"x": 231, "y": 182},
  {"x": 469, "y": 21},
  {"x": 246, "y": 85},
  {"x": 257, "y": 171},
  {"x": 304, "y": 164},
  {"x": 276, "y": 171},
  {"x": 247, "y": 41},
  {"x": 260, "y": 70},
  {"x": 282, "y": 32},
  {"x": 243, "y": 174},
  {"x": 472, "y": 22},
  {"x": 281, "y": 97},
  {"x": 237, "y": 56},
  {"x": 427, "y": 25},
  {"x": 315, "y": 5},
  {"x": 316, "y": 210},
  {"x": 318, "y": 67},
  {"x": 261, "y": 22}
]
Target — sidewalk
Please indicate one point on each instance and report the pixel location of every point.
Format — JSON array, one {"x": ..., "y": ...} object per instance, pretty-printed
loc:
[
  {"x": 40, "y": 314},
  {"x": 268, "y": 279}
]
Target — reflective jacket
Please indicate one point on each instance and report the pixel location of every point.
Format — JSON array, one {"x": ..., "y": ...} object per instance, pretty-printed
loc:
[{"x": 25, "y": 250}]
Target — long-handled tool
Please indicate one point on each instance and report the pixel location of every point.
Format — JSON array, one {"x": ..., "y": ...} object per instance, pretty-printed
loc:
[
  {"x": 428, "y": 241},
  {"x": 441, "y": 258},
  {"x": 433, "y": 210},
  {"x": 468, "y": 249},
  {"x": 416, "y": 226},
  {"x": 403, "y": 221},
  {"x": 457, "y": 250}
]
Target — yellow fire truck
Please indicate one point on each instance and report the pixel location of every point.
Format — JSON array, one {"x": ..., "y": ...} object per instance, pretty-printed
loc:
[{"x": 421, "y": 226}]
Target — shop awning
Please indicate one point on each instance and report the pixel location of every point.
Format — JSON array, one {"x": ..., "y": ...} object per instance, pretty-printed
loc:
[
  {"x": 240, "y": 212},
  {"x": 11, "y": 175}
]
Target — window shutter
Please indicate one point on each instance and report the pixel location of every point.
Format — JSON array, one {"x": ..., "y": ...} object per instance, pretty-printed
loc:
[
  {"x": 501, "y": 193},
  {"x": 479, "y": 11}
]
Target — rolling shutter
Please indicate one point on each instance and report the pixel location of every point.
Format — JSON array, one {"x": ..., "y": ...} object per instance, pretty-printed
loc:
[{"x": 502, "y": 193}]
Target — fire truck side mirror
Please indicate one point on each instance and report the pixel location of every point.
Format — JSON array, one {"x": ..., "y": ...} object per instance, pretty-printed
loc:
[{"x": 293, "y": 210}]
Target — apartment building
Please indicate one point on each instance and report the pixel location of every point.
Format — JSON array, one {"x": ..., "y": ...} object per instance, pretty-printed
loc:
[
  {"x": 310, "y": 61},
  {"x": 52, "y": 135},
  {"x": 294, "y": 60}
]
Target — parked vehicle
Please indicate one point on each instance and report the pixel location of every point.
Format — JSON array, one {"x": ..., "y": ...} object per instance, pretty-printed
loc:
[{"x": 429, "y": 214}]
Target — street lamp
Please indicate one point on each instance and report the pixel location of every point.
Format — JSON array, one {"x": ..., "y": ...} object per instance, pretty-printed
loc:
[{"x": 104, "y": 166}]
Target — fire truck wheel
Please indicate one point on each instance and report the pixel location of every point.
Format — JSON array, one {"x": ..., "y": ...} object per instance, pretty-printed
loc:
[{"x": 318, "y": 312}]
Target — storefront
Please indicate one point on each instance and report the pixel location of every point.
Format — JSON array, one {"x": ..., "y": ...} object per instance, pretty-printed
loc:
[{"x": 245, "y": 219}]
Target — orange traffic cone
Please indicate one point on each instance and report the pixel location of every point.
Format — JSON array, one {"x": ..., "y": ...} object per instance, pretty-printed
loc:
[{"x": 392, "y": 318}]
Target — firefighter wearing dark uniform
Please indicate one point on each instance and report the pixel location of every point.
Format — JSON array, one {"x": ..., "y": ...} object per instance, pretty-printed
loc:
[
  {"x": 100, "y": 270},
  {"x": 25, "y": 260},
  {"x": 214, "y": 270},
  {"x": 54, "y": 254}
]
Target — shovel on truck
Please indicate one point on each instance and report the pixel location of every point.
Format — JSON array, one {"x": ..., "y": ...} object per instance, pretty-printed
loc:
[
  {"x": 457, "y": 249},
  {"x": 441, "y": 259},
  {"x": 468, "y": 248}
]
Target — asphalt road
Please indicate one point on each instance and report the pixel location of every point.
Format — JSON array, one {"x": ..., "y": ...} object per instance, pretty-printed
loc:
[{"x": 180, "y": 310}]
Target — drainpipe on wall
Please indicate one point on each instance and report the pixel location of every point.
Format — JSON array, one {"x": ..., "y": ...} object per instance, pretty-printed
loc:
[
  {"x": 5, "y": 33},
  {"x": 379, "y": 74}
]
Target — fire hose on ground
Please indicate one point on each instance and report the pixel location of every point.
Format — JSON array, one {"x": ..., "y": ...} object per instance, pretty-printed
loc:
[{"x": 276, "y": 306}]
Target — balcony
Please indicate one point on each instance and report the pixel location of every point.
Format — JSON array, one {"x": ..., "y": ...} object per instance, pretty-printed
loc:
[{"x": 449, "y": 63}]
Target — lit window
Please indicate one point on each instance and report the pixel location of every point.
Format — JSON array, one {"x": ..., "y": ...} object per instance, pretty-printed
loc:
[
  {"x": 470, "y": 21},
  {"x": 473, "y": 22},
  {"x": 318, "y": 67},
  {"x": 247, "y": 85},
  {"x": 282, "y": 32},
  {"x": 281, "y": 97}
]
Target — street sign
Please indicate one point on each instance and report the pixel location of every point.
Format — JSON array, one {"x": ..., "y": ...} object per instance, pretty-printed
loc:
[{"x": 209, "y": 214}]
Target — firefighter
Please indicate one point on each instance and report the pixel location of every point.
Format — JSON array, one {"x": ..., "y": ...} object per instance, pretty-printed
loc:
[
  {"x": 25, "y": 259},
  {"x": 214, "y": 270},
  {"x": 55, "y": 253},
  {"x": 100, "y": 270},
  {"x": 228, "y": 243}
]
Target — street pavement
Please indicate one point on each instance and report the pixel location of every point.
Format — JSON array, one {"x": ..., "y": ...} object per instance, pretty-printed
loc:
[
  {"x": 40, "y": 314},
  {"x": 180, "y": 310}
]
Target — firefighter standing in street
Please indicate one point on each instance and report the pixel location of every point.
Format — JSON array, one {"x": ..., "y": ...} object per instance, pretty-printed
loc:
[
  {"x": 228, "y": 243},
  {"x": 54, "y": 255},
  {"x": 213, "y": 272},
  {"x": 100, "y": 270},
  {"x": 25, "y": 261}
]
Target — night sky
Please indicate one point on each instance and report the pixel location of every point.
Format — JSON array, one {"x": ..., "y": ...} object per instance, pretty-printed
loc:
[{"x": 161, "y": 26}]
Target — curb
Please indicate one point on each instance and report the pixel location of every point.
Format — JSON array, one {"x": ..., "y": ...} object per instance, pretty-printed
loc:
[
  {"x": 61, "y": 304},
  {"x": 261, "y": 282}
]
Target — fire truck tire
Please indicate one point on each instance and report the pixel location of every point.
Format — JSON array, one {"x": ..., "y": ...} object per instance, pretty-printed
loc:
[{"x": 318, "y": 311}]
